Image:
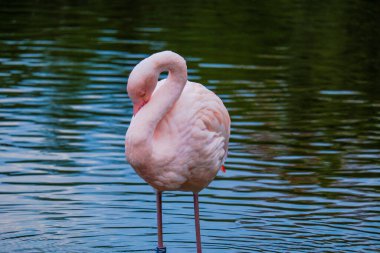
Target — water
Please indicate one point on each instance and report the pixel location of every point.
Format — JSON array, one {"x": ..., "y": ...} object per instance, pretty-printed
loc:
[{"x": 301, "y": 82}]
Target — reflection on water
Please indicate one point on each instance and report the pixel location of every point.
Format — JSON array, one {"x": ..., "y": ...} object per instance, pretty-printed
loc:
[{"x": 300, "y": 79}]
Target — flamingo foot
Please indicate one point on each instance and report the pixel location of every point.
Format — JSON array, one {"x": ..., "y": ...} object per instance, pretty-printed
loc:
[{"x": 161, "y": 250}]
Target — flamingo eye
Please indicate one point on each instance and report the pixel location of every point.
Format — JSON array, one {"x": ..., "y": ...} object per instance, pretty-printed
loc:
[{"x": 142, "y": 93}]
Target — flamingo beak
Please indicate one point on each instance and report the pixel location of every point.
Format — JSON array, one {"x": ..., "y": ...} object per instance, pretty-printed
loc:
[{"x": 135, "y": 109}]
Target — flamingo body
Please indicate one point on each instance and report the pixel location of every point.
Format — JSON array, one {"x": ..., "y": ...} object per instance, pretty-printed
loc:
[{"x": 189, "y": 143}]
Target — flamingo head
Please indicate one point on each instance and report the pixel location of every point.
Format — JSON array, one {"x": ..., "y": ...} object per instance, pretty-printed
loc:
[{"x": 141, "y": 84}]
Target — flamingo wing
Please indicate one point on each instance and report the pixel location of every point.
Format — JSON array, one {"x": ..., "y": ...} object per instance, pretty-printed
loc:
[{"x": 192, "y": 139}]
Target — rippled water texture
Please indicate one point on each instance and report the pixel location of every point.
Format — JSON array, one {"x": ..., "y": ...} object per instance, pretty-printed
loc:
[{"x": 301, "y": 82}]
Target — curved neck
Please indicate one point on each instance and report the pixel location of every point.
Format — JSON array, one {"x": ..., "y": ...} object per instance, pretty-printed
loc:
[
  {"x": 171, "y": 62},
  {"x": 163, "y": 99}
]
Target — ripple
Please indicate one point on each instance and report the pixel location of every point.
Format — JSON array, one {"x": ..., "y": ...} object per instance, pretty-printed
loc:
[
  {"x": 302, "y": 171},
  {"x": 339, "y": 92}
]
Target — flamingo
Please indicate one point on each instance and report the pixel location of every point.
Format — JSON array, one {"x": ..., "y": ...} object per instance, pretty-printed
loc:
[{"x": 178, "y": 136}]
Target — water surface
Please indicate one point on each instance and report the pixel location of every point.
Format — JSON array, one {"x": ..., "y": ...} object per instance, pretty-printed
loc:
[{"x": 300, "y": 80}]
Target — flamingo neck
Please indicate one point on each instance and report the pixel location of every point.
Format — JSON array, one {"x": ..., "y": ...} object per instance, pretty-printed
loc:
[
  {"x": 164, "y": 98},
  {"x": 146, "y": 120}
]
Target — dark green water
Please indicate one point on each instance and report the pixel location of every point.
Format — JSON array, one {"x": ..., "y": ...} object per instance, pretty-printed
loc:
[{"x": 301, "y": 82}]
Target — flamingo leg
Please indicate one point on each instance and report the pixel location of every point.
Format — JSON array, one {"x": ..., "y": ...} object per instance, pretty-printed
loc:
[
  {"x": 197, "y": 224},
  {"x": 160, "y": 246}
]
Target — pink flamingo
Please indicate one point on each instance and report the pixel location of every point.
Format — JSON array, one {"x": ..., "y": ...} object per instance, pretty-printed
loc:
[{"x": 178, "y": 136}]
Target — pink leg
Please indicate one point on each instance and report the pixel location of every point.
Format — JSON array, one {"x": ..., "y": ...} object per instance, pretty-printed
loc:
[
  {"x": 197, "y": 225},
  {"x": 160, "y": 247}
]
